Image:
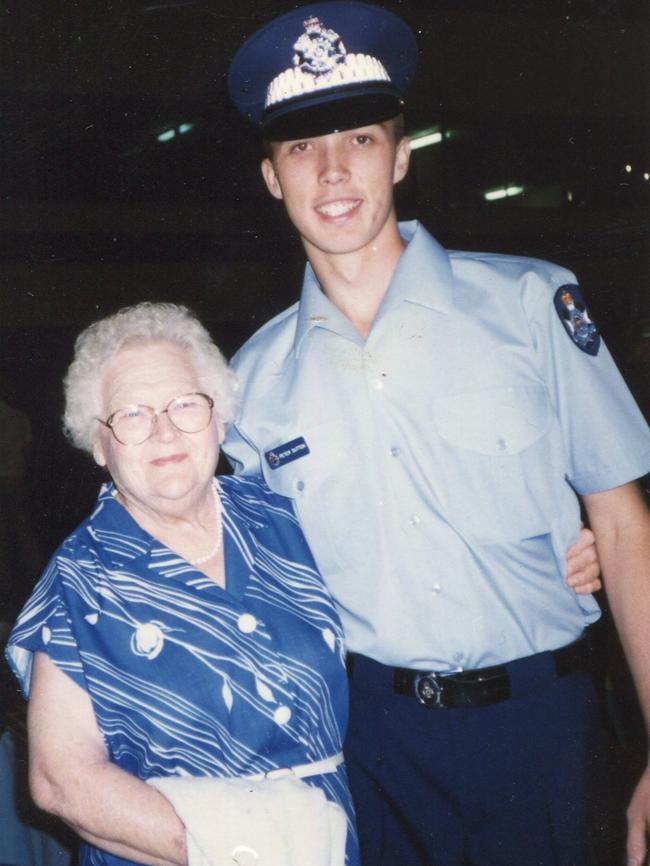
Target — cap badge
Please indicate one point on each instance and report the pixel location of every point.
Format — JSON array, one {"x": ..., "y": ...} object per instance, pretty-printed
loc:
[
  {"x": 321, "y": 62},
  {"x": 319, "y": 49}
]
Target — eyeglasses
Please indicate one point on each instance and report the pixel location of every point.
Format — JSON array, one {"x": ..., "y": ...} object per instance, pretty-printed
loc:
[{"x": 133, "y": 425}]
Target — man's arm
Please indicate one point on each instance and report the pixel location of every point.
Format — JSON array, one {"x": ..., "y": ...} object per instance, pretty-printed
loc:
[{"x": 620, "y": 520}]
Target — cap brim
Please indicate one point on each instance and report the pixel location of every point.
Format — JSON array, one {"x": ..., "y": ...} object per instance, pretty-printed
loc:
[{"x": 335, "y": 112}]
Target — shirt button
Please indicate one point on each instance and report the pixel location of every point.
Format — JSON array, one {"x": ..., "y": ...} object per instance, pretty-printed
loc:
[
  {"x": 377, "y": 384},
  {"x": 415, "y": 520},
  {"x": 395, "y": 451},
  {"x": 436, "y": 589},
  {"x": 300, "y": 485},
  {"x": 242, "y": 855},
  {"x": 502, "y": 444},
  {"x": 282, "y": 715},
  {"x": 247, "y": 623}
]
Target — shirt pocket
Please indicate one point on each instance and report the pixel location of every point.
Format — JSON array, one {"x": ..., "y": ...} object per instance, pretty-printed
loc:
[{"x": 496, "y": 445}]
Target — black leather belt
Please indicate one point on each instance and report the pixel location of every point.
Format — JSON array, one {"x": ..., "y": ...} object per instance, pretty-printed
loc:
[{"x": 483, "y": 686}]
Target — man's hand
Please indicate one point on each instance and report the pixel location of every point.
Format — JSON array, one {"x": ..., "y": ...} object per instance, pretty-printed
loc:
[
  {"x": 638, "y": 821},
  {"x": 583, "y": 567}
]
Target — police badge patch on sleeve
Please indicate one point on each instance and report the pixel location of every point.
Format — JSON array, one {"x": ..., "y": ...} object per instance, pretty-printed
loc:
[{"x": 573, "y": 313}]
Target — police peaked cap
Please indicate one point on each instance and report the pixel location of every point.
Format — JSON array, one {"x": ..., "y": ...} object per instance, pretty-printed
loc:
[{"x": 323, "y": 67}]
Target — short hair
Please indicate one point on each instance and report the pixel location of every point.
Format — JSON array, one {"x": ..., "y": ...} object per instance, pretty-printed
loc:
[
  {"x": 399, "y": 127},
  {"x": 144, "y": 323}
]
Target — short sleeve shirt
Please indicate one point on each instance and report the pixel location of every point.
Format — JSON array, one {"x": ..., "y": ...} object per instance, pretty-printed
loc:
[
  {"x": 434, "y": 465},
  {"x": 187, "y": 678}
]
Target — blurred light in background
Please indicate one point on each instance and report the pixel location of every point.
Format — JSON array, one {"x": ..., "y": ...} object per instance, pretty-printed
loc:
[
  {"x": 168, "y": 134},
  {"x": 502, "y": 192},
  {"x": 425, "y": 139}
]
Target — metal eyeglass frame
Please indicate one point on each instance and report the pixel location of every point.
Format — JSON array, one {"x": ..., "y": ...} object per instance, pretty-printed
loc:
[{"x": 154, "y": 417}]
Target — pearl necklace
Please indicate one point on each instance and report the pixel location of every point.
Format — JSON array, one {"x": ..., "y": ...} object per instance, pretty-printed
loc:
[{"x": 217, "y": 547}]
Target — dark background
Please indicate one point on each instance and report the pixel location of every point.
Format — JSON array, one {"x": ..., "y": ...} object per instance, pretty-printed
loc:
[{"x": 98, "y": 212}]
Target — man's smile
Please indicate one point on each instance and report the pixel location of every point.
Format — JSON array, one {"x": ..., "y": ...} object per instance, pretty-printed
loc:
[{"x": 338, "y": 208}]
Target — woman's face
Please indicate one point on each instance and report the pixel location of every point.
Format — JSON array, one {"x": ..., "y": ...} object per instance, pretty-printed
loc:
[{"x": 171, "y": 469}]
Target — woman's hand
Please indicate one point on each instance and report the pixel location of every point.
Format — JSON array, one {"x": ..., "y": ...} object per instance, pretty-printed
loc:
[
  {"x": 582, "y": 565},
  {"x": 71, "y": 777}
]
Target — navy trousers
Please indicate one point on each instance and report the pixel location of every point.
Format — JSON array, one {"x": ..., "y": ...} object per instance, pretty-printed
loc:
[{"x": 517, "y": 783}]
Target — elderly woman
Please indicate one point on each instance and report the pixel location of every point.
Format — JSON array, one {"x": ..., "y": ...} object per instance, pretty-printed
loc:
[
  {"x": 182, "y": 630},
  {"x": 181, "y": 635}
]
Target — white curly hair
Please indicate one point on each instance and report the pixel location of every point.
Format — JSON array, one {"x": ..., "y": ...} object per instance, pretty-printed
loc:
[{"x": 147, "y": 322}]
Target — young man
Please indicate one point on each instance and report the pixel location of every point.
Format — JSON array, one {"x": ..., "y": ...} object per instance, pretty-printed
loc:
[{"x": 417, "y": 405}]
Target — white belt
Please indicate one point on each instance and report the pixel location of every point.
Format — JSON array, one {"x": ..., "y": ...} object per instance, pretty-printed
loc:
[{"x": 301, "y": 771}]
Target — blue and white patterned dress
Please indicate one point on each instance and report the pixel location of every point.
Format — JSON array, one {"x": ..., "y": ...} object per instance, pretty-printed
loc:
[{"x": 187, "y": 678}]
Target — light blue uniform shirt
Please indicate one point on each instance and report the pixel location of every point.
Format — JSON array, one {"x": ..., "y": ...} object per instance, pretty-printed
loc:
[{"x": 444, "y": 451}]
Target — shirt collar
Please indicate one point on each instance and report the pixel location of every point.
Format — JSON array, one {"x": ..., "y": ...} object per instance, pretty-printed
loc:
[
  {"x": 124, "y": 542},
  {"x": 317, "y": 311},
  {"x": 126, "y": 545},
  {"x": 423, "y": 276},
  {"x": 122, "y": 539}
]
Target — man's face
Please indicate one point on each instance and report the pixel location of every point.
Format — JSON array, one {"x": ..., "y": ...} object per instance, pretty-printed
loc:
[{"x": 338, "y": 188}]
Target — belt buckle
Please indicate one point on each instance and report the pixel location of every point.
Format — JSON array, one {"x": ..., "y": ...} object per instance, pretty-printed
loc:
[{"x": 428, "y": 689}]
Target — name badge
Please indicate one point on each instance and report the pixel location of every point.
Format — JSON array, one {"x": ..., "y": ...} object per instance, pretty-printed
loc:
[{"x": 287, "y": 453}]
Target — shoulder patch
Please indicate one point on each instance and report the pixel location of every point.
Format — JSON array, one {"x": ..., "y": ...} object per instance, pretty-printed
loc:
[{"x": 574, "y": 315}]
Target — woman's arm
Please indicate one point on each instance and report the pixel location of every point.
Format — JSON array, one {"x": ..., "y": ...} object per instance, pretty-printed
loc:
[{"x": 70, "y": 776}]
